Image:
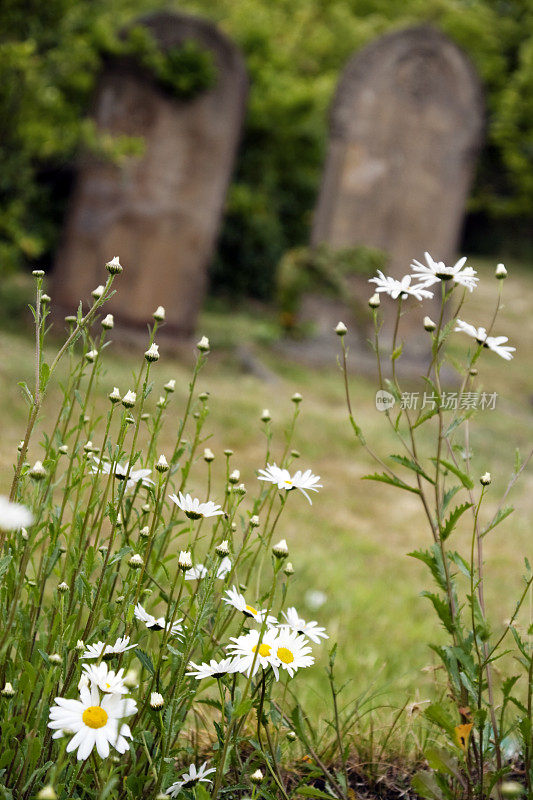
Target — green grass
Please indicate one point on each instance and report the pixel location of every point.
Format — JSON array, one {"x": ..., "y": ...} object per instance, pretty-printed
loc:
[{"x": 352, "y": 543}]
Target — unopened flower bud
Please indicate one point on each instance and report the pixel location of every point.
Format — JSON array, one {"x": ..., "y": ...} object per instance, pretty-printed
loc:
[
  {"x": 203, "y": 345},
  {"x": 297, "y": 398},
  {"x": 375, "y": 301},
  {"x": 55, "y": 658},
  {"x": 108, "y": 322},
  {"x": 222, "y": 549},
  {"x": 203, "y": 396},
  {"x": 473, "y": 372},
  {"x": 512, "y": 789},
  {"x": 129, "y": 420},
  {"x": 145, "y": 532},
  {"x": 131, "y": 679},
  {"x": 38, "y": 273},
  {"x": 291, "y": 736},
  {"x": 37, "y": 472},
  {"x": 136, "y": 561},
  {"x": 265, "y": 415},
  {"x": 208, "y": 455},
  {"x": 500, "y": 272},
  {"x": 114, "y": 396},
  {"x": 170, "y": 386},
  {"x": 145, "y": 508},
  {"x": 63, "y": 449},
  {"x": 254, "y": 521},
  {"x": 114, "y": 266},
  {"x": 288, "y": 569},
  {"x": 8, "y": 690},
  {"x": 159, "y": 314},
  {"x": 257, "y": 777},
  {"x": 240, "y": 489},
  {"x": 128, "y": 401},
  {"x": 485, "y": 479},
  {"x": 295, "y": 453},
  {"x": 98, "y": 292},
  {"x": 45, "y": 298},
  {"x": 91, "y": 356},
  {"x": 20, "y": 445},
  {"x": 184, "y": 560},
  {"x": 24, "y": 533},
  {"x": 341, "y": 329},
  {"x": 156, "y": 701},
  {"x": 280, "y": 549},
  {"x": 47, "y": 793},
  {"x": 71, "y": 319},
  {"x": 80, "y": 646},
  {"x": 152, "y": 354},
  {"x": 162, "y": 464},
  {"x": 63, "y": 587},
  {"x": 88, "y": 447},
  {"x": 429, "y": 325},
  {"x": 235, "y": 476}
]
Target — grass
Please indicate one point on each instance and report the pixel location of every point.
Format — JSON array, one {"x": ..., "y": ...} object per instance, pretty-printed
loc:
[{"x": 352, "y": 543}]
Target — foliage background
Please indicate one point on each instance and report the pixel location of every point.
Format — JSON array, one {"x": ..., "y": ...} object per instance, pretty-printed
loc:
[{"x": 51, "y": 52}]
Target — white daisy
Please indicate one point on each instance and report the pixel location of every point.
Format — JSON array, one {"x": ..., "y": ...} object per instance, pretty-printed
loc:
[
  {"x": 105, "y": 679},
  {"x": 157, "y": 624},
  {"x": 402, "y": 288},
  {"x": 311, "y": 629},
  {"x": 494, "y": 343},
  {"x": 102, "y": 649},
  {"x": 236, "y": 599},
  {"x": 435, "y": 271},
  {"x": 213, "y": 669},
  {"x": 121, "y": 471},
  {"x": 249, "y": 652},
  {"x": 191, "y": 778},
  {"x": 291, "y": 650},
  {"x": 283, "y": 480},
  {"x": 193, "y": 508},
  {"x": 95, "y": 722},
  {"x": 14, "y": 515}
]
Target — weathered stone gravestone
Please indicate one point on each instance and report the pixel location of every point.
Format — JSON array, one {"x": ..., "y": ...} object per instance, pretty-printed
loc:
[
  {"x": 406, "y": 125},
  {"x": 159, "y": 213}
]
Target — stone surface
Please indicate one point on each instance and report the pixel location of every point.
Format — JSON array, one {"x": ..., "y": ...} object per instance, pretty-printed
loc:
[
  {"x": 406, "y": 126},
  {"x": 160, "y": 213}
]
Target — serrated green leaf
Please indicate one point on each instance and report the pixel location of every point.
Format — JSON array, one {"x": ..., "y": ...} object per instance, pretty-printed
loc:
[
  {"x": 392, "y": 481},
  {"x": 452, "y": 520}
]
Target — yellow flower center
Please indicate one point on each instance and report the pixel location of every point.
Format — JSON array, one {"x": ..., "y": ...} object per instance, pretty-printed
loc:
[
  {"x": 285, "y": 655},
  {"x": 94, "y": 717},
  {"x": 264, "y": 649},
  {"x": 250, "y": 610}
]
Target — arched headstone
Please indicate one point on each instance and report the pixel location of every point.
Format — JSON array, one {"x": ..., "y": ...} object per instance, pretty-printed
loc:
[
  {"x": 160, "y": 213},
  {"x": 406, "y": 126}
]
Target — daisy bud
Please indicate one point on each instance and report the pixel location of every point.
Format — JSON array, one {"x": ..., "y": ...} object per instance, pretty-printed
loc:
[
  {"x": 511, "y": 789},
  {"x": 128, "y": 401},
  {"x": 136, "y": 561},
  {"x": 374, "y": 301},
  {"x": 103, "y": 550},
  {"x": 265, "y": 415},
  {"x": 98, "y": 292},
  {"x": 235, "y": 476},
  {"x": 222, "y": 549},
  {"x": 114, "y": 396},
  {"x": 37, "y": 472},
  {"x": 473, "y": 372},
  {"x": 257, "y": 777},
  {"x": 295, "y": 453},
  {"x": 161, "y": 403},
  {"x": 228, "y": 453},
  {"x": 38, "y": 273},
  {"x": 55, "y": 658},
  {"x": 91, "y": 356},
  {"x": 170, "y": 386},
  {"x": 156, "y": 701},
  {"x": 88, "y": 446},
  {"x": 47, "y": 793},
  {"x": 145, "y": 416},
  {"x": 297, "y": 398},
  {"x": 119, "y": 520},
  {"x": 184, "y": 560},
  {"x": 203, "y": 396},
  {"x": 159, "y": 314},
  {"x": 341, "y": 329},
  {"x": 429, "y": 325},
  {"x": 63, "y": 587},
  {"x": 62, "y": 449},
  {"x": 254, "y": 521},
  {"x": 146, "y": 508},
  {"x": 131, "y": 679},
  {"x": 162, "y": 464},
  {"x": 145, "y": 532},
  {"x": 24, "y": 533},
  {"x": 8, "y": 690},
  {"x": 196, "y": 415},
  {"x": 500, "y": 272},
  {"x": 152, "y": 354},
  {"x": 240, "y": 489},
  {"x": 291, "y": 736},
  {"x": 242, "y": 587},
  {"x": 45, "y": 298},
  {"x": 208, "y": 455},
  {"x": 108, "y": 322},
  {"x": 146, "y": 592},
  {"x": 120, "y": 599},
  {"x": 70, "y": 319},
  {"x": 114, "y": 266},
  {"x": 129, "y": 420},
  {"x": 80, "y": 646},
  {"x": 20, "y": 445},
  {"x": 288, "y": 569},
  {"x": 280, "y": 549},
  {"x": 234, "y": 527},
  {"x": 203, "y": 345},
  {"x": 485, "y": 479}
]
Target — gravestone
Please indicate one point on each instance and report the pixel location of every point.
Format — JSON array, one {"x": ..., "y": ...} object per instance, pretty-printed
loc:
[
  {"x": 159, "y": 212},
  {"x": 405, "y": 128}
]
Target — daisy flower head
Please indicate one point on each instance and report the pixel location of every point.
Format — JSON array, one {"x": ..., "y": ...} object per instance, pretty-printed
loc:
[
  {"x": 291, "y": 650},
  {"x": 95, "y": 722},
  {"x": 14, "y": 516},
  {"x": 304, "y": 481},
  {"x": 193, "y": 508},
  {"x": 495, "y": 343},
  {"x": 252, "y": 651},
  {"x": 434, "y": 271},
  {"x": 237, "y": 600},
  {"x": 101, "y": 649},
  {"x": 157, "y": 624},
  {"x": 191, "y": 778},
  {"x": 213, "y": 669},
  {"x": 310, "y": 629},
  {"x": 105, "y": 679},
  {"x": 196, "y": 573},
  {"x": 123, "y": 472},
  {"x": 403, "y": 288}
]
